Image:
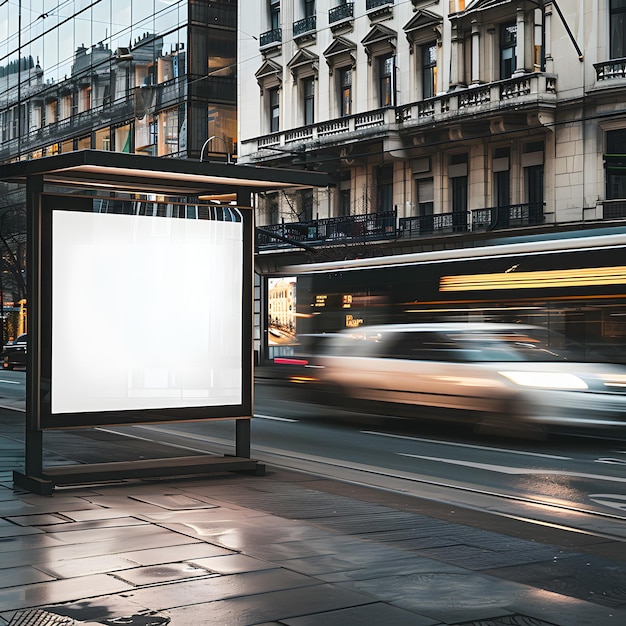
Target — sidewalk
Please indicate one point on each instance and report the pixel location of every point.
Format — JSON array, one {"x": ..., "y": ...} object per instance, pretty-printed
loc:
[{"x": 285, "y": 548}]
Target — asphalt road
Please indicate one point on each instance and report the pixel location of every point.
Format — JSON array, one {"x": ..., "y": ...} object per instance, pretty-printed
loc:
[{"x": 567, "y": 481}]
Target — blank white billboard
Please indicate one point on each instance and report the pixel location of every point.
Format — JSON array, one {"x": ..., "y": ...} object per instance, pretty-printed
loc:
[{"x": 146, "y": 312}]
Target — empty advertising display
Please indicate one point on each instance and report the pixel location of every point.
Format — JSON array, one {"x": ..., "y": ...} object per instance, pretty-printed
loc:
[{"x": 144, "y": 314}]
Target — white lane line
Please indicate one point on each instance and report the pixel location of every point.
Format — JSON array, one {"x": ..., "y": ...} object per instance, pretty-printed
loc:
[
  {"x": 469, "y": 445},
  {"x": 501, "y": 469},
  {"x": 273, "y": 417}
]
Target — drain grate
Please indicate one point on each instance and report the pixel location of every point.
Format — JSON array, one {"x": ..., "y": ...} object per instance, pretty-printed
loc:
[{"x": 39, "y": 617}]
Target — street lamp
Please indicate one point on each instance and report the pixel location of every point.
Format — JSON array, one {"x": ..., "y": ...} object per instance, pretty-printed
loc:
[{"x": 226, "y": 144}]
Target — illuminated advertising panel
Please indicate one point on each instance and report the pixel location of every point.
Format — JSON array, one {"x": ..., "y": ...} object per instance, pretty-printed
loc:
[
  {"x": 147, "y": 319},
  {"x": 281, "y": 311}
]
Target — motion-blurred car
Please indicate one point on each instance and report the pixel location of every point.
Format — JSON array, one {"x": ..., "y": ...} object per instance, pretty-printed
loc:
[
  {"x": 14, "y": 353},
  {"x": 508, "y": 379},
  {"x": 302, "y": 367}
]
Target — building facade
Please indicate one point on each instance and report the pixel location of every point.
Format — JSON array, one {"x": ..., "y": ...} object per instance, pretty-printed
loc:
[
  {"x": 138, "y": 76},
  {"x": 443, "y": 121}
]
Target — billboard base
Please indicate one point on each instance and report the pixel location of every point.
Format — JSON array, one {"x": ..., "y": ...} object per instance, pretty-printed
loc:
[{"x": 70, "y": 475}]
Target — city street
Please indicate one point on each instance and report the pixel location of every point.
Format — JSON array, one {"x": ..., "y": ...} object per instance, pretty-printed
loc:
[{"x": 571, "y": 482}]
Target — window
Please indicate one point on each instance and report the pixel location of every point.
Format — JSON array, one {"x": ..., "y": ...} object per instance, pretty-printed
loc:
[
  {"x": 508, "y": 41},
  {"x": 274, "y": 14},
  {"x": 429, "y": 70},
  {"x": 501, "y": 177},
  {"x": 308, "y": 91},
  {"x": 384, "y": 179},
  {"x": 345, "y": 82},
  {"x": 458, "y": 190},
  {"x": 386, "y": 65},
  {"x": 306, "y": 203},
  {"x": 309, "y": 8},
  {"x": 343, "y": 208},
  {"x": 615, "y": 164},
  {"x": 425, "y": 194},
  {"x": 618, "y": 29},
  {"x": 274, "y": 110}
]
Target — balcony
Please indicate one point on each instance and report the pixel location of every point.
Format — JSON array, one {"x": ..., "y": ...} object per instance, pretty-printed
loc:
[
  {"x": 513, "y": 216},
  {"x": 523, "y": 93},
  {"x": 385, "y": 226},
  {"x": 378, "y": 8},
  {"x": 437, "y": 224},
  {"x": 608, "y": 70},
  {"x": 614, "y": 209},
  {"x": 341, "y": 15},
  {"x": 271, "y": 38},
  {"x": 305, "y": 29},
  {"x": 330, "y": 231},
  {"x": 376, "y": 121}
]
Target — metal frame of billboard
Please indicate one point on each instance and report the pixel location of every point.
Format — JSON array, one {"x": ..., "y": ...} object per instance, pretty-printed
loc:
[{"x": 63, "y": 182}]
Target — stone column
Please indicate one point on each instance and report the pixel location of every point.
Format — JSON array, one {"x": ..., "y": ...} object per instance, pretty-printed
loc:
[
  {"x": 547, "y": 38},
  {"x": 475, "y": 52},
  {"x": 520, "y": 47}
]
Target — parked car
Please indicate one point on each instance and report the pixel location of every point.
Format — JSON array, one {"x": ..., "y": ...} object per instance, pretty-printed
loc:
[
  {"x": 14, "y": 353},
  {"x": 506, "y": 378}
]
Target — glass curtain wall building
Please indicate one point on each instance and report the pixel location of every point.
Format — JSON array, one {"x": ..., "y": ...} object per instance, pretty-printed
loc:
[{"x": 154, "y": 77}]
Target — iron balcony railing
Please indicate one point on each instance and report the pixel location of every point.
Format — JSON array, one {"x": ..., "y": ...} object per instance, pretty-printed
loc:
[
  {"x": 386, "y": 225},
  {"x": 512, "y": 216},
  {"x": 615, "y": 68},
  {"x": 332, "y": 230},
  {"x": 614, "y": 209},
  {"x": 342, "y": 12},
  {"x": 437, "y": 224},
  {"x": 306, "y": 25},
  {"x": 271, "y": 37},
  {"x": 375, "y": 4}
]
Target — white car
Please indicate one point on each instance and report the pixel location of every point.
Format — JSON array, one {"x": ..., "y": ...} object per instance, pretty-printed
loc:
[{"x": 509, "y": 379}]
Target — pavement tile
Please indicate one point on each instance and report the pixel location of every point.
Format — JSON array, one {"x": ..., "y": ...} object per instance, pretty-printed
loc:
[
  {"x": 37, "y": 520},
  {"x": 18, "y": 543},
  {"x": 99, "y": 609},
  {"x": 116, "y": 545},
  {"x": 165, "y": 573},
  {"x": 239, "y": 537},
  {"x": 74, "y": 568},
  {"x": 366, "y": 615},
  {"x": 189, "y": 592},
  {"x": 175, "y": 553},
  {"x": 585, "y": 577},
  {"x": 24, "y": 575},
  {"x": 232, "y": 564},
  {"x": 278, "y": 606},
  {"x": 466, "y": 597},
  {"x": 41, "y": 594}
]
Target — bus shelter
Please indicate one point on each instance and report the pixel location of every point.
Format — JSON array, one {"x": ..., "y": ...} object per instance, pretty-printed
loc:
[{"x": 140, "y": 302}]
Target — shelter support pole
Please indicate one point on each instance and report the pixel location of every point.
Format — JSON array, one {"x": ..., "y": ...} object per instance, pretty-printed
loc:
[{"x": 32, "y": 479}]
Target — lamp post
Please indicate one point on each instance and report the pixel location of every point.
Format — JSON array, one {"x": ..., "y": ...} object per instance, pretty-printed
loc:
[{"x": 206, "y": 143}]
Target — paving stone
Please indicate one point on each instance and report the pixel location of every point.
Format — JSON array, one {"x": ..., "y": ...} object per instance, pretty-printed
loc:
[
  {"x": 233, "y": 564},
  {"x": 56, "y": 591},
  {"x": 24, "y": 575},
  {"x": 190, "y": 592},
  {"x": 271, "y": 606},
  {"x": 377, "y": 613}
]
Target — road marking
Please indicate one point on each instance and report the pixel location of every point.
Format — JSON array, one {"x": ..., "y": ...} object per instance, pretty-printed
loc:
[
  {"x": 613, "y": 500},
  {"x": 502, "y": 469},
  {"x": 469, "y": 445},
  {"x": 273, "y": 417}
]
